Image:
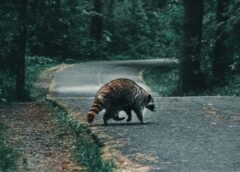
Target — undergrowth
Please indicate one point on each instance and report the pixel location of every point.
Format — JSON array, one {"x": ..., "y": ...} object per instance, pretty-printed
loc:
[
  {"x": 33, "y": 66},
  {"x": 8, "y": 156},
  {"x": 87, "y": 148},
  {"x": 164, "y": 81}
]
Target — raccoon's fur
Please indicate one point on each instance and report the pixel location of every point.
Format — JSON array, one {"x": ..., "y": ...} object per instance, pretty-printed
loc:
[{"x": 117, "y": 95}]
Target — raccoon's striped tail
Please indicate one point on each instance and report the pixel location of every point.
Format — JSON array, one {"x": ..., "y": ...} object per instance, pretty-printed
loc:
[{"x": 95, "y": 109}]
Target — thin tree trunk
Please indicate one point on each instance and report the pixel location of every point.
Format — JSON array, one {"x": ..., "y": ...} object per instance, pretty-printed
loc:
[
  {"x": 110, "y": 17},
  {"x": 191, "y": 77},
  {"x": 220, "y": 61},
  {"x": 21, "y": 44},
  {"x": 96, "y": 22}
]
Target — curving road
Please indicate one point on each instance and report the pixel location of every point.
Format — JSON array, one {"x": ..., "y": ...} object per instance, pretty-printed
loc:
[{"x": 184, "y": 134}]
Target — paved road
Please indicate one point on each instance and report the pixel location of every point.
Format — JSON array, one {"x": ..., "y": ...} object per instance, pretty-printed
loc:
[{"x": 184, "y": 134}]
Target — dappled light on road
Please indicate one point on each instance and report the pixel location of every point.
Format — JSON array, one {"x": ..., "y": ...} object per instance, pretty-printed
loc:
[{"x": 75, "y": 90}]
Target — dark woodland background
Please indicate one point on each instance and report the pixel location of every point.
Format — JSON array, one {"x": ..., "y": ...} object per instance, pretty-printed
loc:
[{"x": 204, "y": 35}]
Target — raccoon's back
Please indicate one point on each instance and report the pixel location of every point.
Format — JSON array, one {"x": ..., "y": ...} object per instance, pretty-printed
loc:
[
  {"x": 119, "y": 91},
  {"x": 118, "y": 87}
]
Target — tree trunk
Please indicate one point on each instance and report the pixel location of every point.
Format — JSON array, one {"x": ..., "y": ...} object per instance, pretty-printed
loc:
[
  {"x": 220, "y": 61},
  {"x": 110, "y": 16},
  {"x": 21, "y": 44},
  {"x": 191, "y": 78},
  {"x": 96, "y": 22}
]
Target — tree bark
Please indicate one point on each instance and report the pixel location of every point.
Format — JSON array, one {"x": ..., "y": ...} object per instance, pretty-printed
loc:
[
  {"x": 191, "y": 78},
  {"x": 96, "y": 22},
  {"x": 110, "y": 16},
  {"x": 220, "y": 61},
  {"x": 21, "y": 45}
]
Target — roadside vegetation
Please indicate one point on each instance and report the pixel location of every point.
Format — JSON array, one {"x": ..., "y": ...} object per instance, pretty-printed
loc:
[
  {"x": 87, "y": 148},
  {"x": 164, "y": 81},
  {"x": 121, "y": 30},
  {"x": 34, "y": 65}
]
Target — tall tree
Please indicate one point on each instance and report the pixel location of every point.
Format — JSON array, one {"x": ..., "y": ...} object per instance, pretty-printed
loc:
[
  {"x": 191, "y": 78},
  {"x": 110, "y": 16},
  {"x": 220, "y": 60},
  {"x": 96, "y": 21},
  {"x": 21, "y": 46}
]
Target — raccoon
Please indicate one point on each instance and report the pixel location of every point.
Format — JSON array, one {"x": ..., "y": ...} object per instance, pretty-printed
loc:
[{"x": 120, "y": 95}]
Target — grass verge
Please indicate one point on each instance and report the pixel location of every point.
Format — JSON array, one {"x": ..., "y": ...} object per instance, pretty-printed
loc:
[
  {"x": 87, "y": 148},
  {"x": 164, "y": 80}
]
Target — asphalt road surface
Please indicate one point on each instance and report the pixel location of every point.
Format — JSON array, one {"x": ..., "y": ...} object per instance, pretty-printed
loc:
[{"x": 184, "y": 134}]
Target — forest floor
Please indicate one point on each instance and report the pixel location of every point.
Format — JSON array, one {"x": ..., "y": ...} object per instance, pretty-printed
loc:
[
  {"x": 43, "y": 144},
  {"x": 32, "y": 130}
]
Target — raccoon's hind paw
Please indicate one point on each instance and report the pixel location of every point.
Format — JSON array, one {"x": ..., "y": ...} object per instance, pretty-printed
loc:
[{"x": 105, "y": 122}]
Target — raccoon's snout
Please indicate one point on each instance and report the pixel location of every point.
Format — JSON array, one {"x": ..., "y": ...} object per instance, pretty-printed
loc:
[{"x": 151, "y": 107}]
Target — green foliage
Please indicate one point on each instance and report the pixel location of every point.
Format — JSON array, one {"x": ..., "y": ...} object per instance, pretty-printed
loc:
[
  {"x": 87, "y": 150},
  {"x": 231, "y": 27},
  {"x": 34, "y": 65},
  {"x": 139, "y": 29},
  {"x": 131, "y": 30},
  {"x": 8, "y": 156}
]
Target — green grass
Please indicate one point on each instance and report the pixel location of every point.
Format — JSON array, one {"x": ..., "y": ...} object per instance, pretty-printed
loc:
[
  {"x": 164, "y": 80},
  {"x": 8, "y": 156},
  {"x": 87, "y": 148},
  {"x": 34, "y": 66}
]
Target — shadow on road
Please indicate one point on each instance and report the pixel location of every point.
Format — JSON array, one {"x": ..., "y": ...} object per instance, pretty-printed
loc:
[{"x": 125, "y": 124}]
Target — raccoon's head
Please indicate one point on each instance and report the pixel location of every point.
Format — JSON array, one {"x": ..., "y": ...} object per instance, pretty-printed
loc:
[{"x": 150, "y": 103}]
